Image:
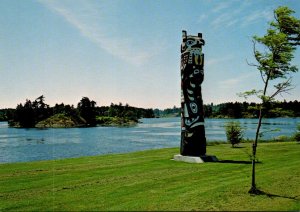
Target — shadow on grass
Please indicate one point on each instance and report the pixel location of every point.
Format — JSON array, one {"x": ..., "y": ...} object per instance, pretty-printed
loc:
[
  {"x": 235, "y": 161},
  {"x": 260, "y": 192},
  {"x": 238, "y": 147}
]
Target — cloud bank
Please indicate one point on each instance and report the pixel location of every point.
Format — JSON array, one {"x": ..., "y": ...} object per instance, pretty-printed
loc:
[{"x": 87, "y": 18}]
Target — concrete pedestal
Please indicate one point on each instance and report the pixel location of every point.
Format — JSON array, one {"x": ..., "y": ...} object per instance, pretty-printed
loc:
[{"x": 191, "y": 159}]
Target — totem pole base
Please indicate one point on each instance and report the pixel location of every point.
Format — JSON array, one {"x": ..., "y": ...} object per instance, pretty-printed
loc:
[{"x": 192, "y": 159}]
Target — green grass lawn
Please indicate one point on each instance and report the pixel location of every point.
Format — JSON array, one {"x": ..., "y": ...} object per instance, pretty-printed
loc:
[{"x": 149, "y": 180}]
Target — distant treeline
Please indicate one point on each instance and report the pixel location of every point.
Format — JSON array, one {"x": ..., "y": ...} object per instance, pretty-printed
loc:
[
  {"x": 251, "y": 110},
  {"x": 86, "y": 114},
  {"x": 241, "y": 110}
]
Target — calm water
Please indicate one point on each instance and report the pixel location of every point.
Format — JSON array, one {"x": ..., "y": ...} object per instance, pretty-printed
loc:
[{"x": 18, "y": 145}]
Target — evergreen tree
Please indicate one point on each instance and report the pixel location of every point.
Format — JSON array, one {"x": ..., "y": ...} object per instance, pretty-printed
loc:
[{"x": 87, "y": 110}]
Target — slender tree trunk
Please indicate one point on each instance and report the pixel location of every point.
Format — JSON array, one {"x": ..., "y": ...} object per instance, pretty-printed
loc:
[{"x": 253, "y": 189}]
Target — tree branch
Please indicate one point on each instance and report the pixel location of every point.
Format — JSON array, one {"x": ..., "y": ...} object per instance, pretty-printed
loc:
[
  {"x": 257, "y": 59},
  {"x": 251, "y": 64},
  {"x": 262, "y": 76},
  {"x": 283, "y": 87}
]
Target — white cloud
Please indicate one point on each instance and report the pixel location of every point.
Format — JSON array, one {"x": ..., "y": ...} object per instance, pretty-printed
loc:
[
  {"x": 232, "y": 15},
  {"x": 224, "y": 20},
  {"x": 202, "y": 18},
  {"x": 218, "y": 61},
  {"x": 221, "y": 6},
  {"x": 238, "y": 14},
  {"x": 230, "y": 82},
  {"x": 88, "y": 20},
  {"x": 255, "y": 16},
  {"x": 233, "y": 82}
]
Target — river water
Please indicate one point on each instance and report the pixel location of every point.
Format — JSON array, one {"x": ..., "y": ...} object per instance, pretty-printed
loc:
[{"x": 19, "y": 145}]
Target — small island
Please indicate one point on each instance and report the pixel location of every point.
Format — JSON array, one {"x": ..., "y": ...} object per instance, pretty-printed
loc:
[{"x": 37, "y": 114}]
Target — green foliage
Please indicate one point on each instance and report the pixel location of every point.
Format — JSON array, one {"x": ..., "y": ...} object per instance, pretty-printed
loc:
[
  {"x": 247, "y": 94},
  {"x": 3, "y": 116},
  {"x": 274, "y": 52},
  {"x": 273, "y": 61},
  {"x": 87, "y": 110},
  {"x": 297, "y": 134},
  {"x": 223, "y": 110},
  {"x": 282, "y": 138},
  {"x": 60, "y": 121},
  {"x": 287, "y": 24},
  {"x": 234, "y": 133},
  {"x": 39, "y": 114},
  {"x": 126, "y": 111},
  {"x": 251, "y": 110},
  {"x": 6, "y": 114},
  {"x": 115, "y": 121},
  {"x": 169, "y": 112},
  {"x": 30, "y": 113}
]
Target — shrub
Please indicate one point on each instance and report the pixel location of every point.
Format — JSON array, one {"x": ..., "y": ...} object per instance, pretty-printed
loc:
[
  {"x": 282, "y": 138},
  {"x": 234, "y": 133},
  {"x": 297, "y": 134}
]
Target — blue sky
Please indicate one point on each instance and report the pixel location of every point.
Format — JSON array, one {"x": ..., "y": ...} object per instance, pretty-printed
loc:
[{"x": 128, "y": 50}]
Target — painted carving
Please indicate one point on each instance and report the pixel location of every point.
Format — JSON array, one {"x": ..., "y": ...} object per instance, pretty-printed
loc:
[{"x": 193, "y": 141}]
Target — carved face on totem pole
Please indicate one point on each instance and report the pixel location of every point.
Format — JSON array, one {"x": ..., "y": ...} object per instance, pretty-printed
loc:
[{"x": 192, "y": 75}]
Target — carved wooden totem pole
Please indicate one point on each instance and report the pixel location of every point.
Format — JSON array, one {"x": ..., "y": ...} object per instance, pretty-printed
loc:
[{"x": 193, "y": 141}]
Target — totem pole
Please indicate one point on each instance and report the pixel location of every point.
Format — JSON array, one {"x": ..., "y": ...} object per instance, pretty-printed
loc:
[{"x": 193, "y": 141}]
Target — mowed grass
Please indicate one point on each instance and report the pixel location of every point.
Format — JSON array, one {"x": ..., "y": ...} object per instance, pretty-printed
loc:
[{"x": 150, "y": 180}]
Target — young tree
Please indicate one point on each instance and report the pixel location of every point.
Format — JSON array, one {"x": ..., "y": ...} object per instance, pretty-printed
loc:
[{"x": 273, "y": 61}]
